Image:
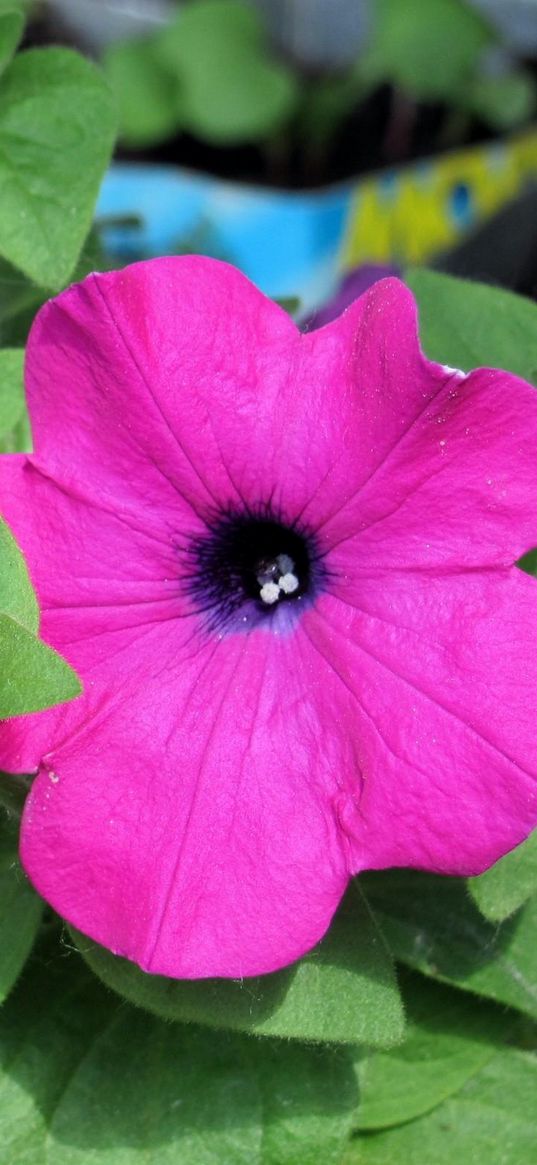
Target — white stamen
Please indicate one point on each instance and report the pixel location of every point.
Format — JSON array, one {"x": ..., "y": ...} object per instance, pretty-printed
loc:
[
  {"x": 288, "y": 583},
  {"x": 285, "y": 564},
  {"x": 270, "y": 592}
]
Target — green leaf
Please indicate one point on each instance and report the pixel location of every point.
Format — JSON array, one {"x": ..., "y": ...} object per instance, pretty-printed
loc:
[
  {"x": 344, "y": 991},
  {"x": 19, "y": 301},
  {"x": 20, "y": 910},
  {"x": 14, "y": 789},
  {"x": 290, "y": 303},
  {"x": 503, "y": 102},
  {"x": 456, "y": 324},
  {"x": 502, "y": 889},
  {"x": 12, "y": 404},
  {"x": 19, "y": 438},
  {"x": 147, "y": 1090},
  {"x": 46, "y": 1026},
  {"x": 324, "y": 106},
  {"x": 32, "y": 675},
  {"x": 490, "y": 1122},
  {"x": 57, "y": 128},
  {"x": 11, "y": 30},
  {"x": 86, "y": 1078},
  {"x": 449, "y": 1038},
  {"x": 429, "y": 50},
  {"x": 432, "y": 924},
  {"x": 17, "y": 598},
  {"x": 24, "y": 6},
  {"x": 230, "y": 89},
  {"x": 308, "y": 1097},
  {"x": 145, "y": 92}
]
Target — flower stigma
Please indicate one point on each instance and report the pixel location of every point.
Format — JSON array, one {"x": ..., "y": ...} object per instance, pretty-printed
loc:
[{"x": 249, "y": 565}]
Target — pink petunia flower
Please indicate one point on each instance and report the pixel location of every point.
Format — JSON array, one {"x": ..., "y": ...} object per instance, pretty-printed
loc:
[{"x": 282, "y": 565}]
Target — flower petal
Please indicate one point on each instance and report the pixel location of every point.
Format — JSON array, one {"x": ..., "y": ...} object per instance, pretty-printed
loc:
[
  {"x": 444, "y": 674},
  {"x": 459, "y": 489},
  {"x": 145, "y": 382},
  {"x": 179, "y": 373},
  {"x": 102, "y": 579},
  {"x": 200, "y": 808},
  {"x": 194, "y": 828},
  {"x": 372, "y": 383}
]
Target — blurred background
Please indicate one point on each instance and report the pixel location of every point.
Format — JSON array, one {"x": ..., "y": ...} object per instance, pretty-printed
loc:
[{"x": 317, "y": 143}]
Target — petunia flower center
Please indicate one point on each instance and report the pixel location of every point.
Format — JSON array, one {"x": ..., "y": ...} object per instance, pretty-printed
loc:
[
  {"x": 248, "y": 567},
  {"x": 277, "y": 579}
]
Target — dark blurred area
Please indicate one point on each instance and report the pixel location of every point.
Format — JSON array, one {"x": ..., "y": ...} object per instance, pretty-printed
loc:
[{"x": 502, "y": 251}]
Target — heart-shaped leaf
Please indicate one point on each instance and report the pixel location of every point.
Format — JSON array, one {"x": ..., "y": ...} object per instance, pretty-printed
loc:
[
  {"x": 455, "y": 324},
  {"x": 502, "y": 889},
  {"x": 450, "y": 1036},
  {"x": 85, "y": 1077},
  {"x": 432, "y": 924},
  {"x": 57, "y": 125},
  {"x": 429, "y": 50},
  {"x": 145, "y": 91},
  {"x": 229, "y": 87},
  {"x": 491, "y": 1121},
  {"x": 344, "y": 991}
]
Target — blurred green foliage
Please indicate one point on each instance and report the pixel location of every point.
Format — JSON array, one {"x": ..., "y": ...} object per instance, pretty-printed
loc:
[{"x": 213, "y": 72}]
